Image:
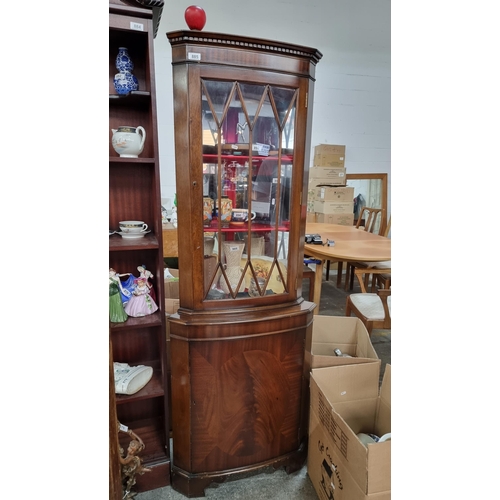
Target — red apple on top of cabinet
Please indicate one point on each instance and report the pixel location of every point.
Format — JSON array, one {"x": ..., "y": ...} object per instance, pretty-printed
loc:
[{"x": 195, "y": 17}]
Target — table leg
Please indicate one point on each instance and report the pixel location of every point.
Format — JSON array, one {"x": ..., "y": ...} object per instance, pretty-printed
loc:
[{"x": 318, "y": 279}]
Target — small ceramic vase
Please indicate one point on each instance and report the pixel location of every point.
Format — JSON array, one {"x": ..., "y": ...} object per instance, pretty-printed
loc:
[
  {"x": 123, "y": 61},
  {"x": 233, "y": 275},
  {"x": 124, "y": 81}
]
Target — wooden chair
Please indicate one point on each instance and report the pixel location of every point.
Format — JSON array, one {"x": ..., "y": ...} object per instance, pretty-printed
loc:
[
  {"x": 371, "y": 216},
  {"x": 373, "y": 309},
  {"x": 382, "y": 280},
  {"x": 369, "y": 225}
]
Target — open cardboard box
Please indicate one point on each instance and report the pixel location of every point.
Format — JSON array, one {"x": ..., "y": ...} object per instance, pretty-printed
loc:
[
  {"x": 338, "y": 332},
  {"x": 172, "y": 284},
  {"x": 345, "y": 400},
  {"x": 172, "y": 292}
]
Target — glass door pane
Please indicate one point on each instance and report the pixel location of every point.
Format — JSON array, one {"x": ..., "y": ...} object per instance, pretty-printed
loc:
[{"x": 248, "y": 136}]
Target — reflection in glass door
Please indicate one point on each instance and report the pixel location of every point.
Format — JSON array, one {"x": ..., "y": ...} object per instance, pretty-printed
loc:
[{"x": 248, "y": 136}]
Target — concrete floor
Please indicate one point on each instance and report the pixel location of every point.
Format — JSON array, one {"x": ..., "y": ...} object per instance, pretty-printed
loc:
[{"x": 278, "y": 485}]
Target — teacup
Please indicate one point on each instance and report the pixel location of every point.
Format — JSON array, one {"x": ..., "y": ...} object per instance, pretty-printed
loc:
[
  {"x": 241, "y": 215},
  {"x": 133, "y": 226}
]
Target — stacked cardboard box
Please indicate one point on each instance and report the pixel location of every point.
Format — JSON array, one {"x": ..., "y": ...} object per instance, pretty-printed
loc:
[
  {"x": 331, "y": 204},
  {"x": 328, "y": 165},
  {"x": 345, "y": 401},
  {"x": 326, "y": 176},
  {"x": 329, "y": 155},
  {"x": 329, "y": 200}
]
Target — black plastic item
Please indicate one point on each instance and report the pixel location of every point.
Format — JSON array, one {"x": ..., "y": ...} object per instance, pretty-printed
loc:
[{"x": 315, "y": 239}]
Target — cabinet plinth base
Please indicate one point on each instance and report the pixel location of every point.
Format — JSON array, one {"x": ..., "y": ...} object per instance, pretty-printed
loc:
[{"x": 194, "y": 485}]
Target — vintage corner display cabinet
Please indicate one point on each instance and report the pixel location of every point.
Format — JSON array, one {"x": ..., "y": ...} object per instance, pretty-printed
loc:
[
  {"x": 242, "y": 112},
  {"x": 134, "y": 194}
]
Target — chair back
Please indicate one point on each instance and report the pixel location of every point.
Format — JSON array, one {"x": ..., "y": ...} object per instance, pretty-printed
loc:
[
  {"x": 387, "y": 229},
  {"x": 371, "y": 217},
  {"x": 360, "y": 272}
]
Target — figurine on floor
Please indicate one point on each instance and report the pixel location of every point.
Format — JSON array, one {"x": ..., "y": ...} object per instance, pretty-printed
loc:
[
  {"x": 141, "y": 303},
  {"x": 147, "y": 275},
  {"x": 117, "y": 313},
  {"x": 131, "y": 464}
]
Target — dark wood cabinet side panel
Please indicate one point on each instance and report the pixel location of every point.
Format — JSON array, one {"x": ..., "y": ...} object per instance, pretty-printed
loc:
[
  {"x": 115, "y": 486},
  {"x": 181, "y": 403}
]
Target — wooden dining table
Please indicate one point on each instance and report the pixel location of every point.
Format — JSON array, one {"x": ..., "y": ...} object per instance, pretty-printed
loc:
[{"x": 351, "y": 244}]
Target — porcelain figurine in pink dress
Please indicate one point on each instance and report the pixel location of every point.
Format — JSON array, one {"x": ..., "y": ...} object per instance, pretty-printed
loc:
[
  {"x": 141, "y": 303},
  {"x": 147, "y": 275}
]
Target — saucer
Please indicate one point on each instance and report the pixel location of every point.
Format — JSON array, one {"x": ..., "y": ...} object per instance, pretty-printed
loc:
[{"x": 132, "y": 236}]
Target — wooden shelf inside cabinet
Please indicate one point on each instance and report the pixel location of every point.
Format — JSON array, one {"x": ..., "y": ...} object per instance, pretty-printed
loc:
[
  {"x": 151, "y": 433},
  {"x": 117, "y": 243},
  {"x": 153, "y": 389},
  {"x": 209, "y": 158},
  {"x": 135, "y": 97},
  {"x": 119, "y": 159},
  {"x": 142, "y": 322}
]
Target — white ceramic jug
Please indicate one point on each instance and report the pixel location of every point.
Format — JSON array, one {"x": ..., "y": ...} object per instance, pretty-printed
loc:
[{"x": 128, "y": 142}]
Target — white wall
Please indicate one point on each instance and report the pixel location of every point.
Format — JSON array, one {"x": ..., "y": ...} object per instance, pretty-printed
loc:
[{"x": 352, "y": 103}]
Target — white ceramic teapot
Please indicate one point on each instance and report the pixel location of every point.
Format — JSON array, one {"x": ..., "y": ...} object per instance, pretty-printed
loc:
[{"x": 128, "y": 142}]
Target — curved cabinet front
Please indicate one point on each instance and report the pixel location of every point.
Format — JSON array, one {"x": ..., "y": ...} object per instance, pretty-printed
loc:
[{"x": 240, "y": 399}]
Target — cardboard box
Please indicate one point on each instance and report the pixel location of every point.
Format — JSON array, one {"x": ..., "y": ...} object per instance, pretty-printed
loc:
[
  {"x": 329, "y": 155},
  {"x": 334, "y": 193},
  {"x": 324, "y": 175},
  {"x": 311, "y": 217},
  {"x": 345, "y": 401},
  {"x": 338, "y": 332},
  {"x": 172, "y": 285},
  {"x": 329, "y": 149},
  {"x": 341, "y": 219},
  {"x": 334, "y": 207},
  {"x": 171, "y": 306},
  {"x": 328, "y": 161}
]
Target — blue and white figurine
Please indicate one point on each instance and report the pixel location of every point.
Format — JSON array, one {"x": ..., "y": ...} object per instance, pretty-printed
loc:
[{"x": 124, "y": 81}]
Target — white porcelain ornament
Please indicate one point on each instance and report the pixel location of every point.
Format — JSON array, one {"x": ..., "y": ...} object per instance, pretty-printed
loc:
[{"x": 128, "y": 142}]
